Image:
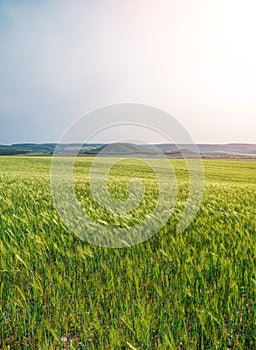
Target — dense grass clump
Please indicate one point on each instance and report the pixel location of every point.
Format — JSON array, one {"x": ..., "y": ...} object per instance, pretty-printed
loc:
[{"x": 194, "y": 290}]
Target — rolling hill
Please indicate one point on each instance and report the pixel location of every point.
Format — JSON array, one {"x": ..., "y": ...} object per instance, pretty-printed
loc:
[{"x": 235, "y": 150}]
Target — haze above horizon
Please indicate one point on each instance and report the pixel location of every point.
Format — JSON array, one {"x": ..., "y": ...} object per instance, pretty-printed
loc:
[{"x": 193, "y": 59}]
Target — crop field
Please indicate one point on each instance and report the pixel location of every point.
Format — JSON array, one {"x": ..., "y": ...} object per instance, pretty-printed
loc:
[{"x": 190, "y": 290}]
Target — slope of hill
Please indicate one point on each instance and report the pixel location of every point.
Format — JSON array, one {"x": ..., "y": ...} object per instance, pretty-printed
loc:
[{"x": 170, "y": 150}]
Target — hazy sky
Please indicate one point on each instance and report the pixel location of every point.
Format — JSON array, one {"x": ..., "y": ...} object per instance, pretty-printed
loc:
[{"x": 195, "y": 59}]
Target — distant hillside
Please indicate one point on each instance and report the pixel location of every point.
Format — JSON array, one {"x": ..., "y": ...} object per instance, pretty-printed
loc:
[
  {"x": 122, "y": 149},
  {"x": 170, "y": 150},
  {"x": 11, "y": 150}
]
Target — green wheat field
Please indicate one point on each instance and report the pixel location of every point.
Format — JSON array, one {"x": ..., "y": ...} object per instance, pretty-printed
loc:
[{"x": 190, "y": 290}]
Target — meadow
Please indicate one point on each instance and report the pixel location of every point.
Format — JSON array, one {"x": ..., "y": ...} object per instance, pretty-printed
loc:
[{"x": 190, "y": 290}]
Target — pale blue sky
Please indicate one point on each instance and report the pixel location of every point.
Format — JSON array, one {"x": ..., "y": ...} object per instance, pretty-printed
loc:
[{"x": 195, "y": 59}]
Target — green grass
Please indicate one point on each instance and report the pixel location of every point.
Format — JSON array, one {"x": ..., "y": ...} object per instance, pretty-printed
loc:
[{"x": 194, "y": 290}]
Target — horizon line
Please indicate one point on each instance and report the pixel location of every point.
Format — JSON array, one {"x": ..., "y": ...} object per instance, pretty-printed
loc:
[{"x": 146, "y": 143}]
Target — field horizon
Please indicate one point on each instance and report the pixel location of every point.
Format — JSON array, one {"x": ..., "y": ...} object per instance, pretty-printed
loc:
[{"x": 228, "y": 150}]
